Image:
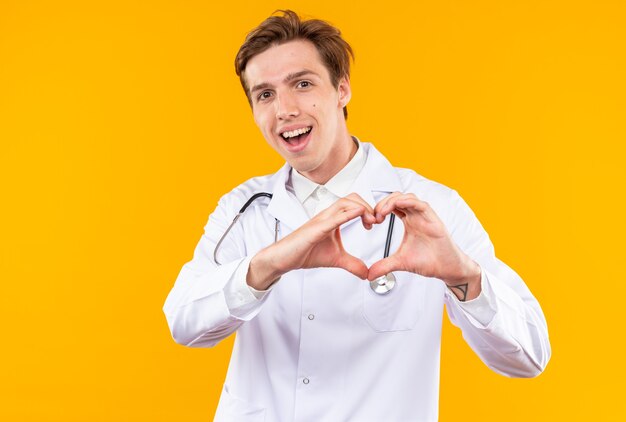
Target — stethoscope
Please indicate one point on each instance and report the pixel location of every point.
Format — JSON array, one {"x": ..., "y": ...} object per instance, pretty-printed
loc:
[{"x": 381, "y": 285}]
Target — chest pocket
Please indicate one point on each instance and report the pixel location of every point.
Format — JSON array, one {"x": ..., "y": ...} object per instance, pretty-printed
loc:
[{"x": 398, "y": 310}]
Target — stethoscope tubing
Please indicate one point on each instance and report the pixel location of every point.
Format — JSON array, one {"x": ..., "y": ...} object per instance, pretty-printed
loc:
[{"x": 239, "y": 214}]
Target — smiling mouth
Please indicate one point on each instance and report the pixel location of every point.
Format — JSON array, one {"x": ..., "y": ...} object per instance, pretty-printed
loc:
[{"x": 295, "y": 136}]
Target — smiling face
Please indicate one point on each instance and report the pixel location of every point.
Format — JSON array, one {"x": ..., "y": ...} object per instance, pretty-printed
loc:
[{"x": 298, "y": 109}]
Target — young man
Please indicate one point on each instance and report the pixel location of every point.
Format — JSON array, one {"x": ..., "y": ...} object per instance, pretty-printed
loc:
[{"x": 320, "y": 337}]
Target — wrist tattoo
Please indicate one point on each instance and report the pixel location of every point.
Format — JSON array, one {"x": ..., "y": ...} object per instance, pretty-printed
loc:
[{"x": 462, "y": 291}]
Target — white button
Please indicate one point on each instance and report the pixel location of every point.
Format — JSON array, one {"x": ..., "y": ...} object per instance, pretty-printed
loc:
[
  {"x": 305, "y": 381},
  {"x": 322, "y": 190},
  {"x": 311, "y": 317}
]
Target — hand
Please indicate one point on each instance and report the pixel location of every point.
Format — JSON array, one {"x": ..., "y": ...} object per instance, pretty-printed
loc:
[
  {"x": 316, "y": 244},
  {"x": 427, "y": 248}
]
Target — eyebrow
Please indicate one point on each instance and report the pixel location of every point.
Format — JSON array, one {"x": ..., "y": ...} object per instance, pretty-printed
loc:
[{"x": 290, "y": 77}]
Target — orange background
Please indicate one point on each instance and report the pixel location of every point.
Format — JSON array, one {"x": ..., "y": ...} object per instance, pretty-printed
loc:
[{"x": 122, "y": 123}]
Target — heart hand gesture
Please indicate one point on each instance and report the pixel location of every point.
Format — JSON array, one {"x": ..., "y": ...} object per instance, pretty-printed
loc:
[{"x": 426, "y": 248}]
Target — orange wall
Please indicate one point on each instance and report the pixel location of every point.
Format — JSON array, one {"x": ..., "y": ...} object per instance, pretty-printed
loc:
[{"x": 122, "y": 123}]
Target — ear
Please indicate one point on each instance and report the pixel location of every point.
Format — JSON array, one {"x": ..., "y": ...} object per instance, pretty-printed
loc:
[{"x": 345, "y": 92}]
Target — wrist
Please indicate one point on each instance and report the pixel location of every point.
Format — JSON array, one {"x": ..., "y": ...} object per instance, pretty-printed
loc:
[
  {"x": 261, "y": 271},
  {"x": 467, "y": 285}
]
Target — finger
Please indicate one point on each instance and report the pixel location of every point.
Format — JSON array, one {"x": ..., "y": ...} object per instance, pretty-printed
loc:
[
  {"x": 384, "y": 266},
  {"x": 386, "y": 199},
  {"x": 350, "y": 202},
  {"x": 368, "y": 216},
  {"x": 404, "y": 202},
  {"x": 412, "y": 203},
  {"x": 337, "y": 217},
  {"x": 353, "y": 265},
  {"x": 381, "y": 204}
]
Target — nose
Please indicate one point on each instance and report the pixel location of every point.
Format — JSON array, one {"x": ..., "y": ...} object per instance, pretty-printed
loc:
[{"x": 286, "y": 107}]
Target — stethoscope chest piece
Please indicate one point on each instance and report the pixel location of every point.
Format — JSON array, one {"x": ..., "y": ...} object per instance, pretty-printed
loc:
[{"x": 383, "y": 285}]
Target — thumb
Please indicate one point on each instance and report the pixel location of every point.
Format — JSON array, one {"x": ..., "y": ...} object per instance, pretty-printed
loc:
[
  {"x": 384, "y": 266},
  {"x": 353, "y": 265}
]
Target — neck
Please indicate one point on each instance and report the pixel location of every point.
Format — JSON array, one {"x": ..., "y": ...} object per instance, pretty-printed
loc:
[{"x": 341, "y": 154}]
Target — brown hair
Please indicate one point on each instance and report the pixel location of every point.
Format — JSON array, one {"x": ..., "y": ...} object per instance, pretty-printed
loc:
[{"x": 276, "y": 30}]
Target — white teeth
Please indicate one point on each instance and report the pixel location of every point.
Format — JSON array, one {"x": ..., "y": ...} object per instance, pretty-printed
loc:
[{"x": 296, "y": 132}]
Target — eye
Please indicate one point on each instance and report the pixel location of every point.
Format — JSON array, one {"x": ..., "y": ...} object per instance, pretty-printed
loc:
[
  {"x": 304, "y": 84},
  {"x": 264, "y": 95}
]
